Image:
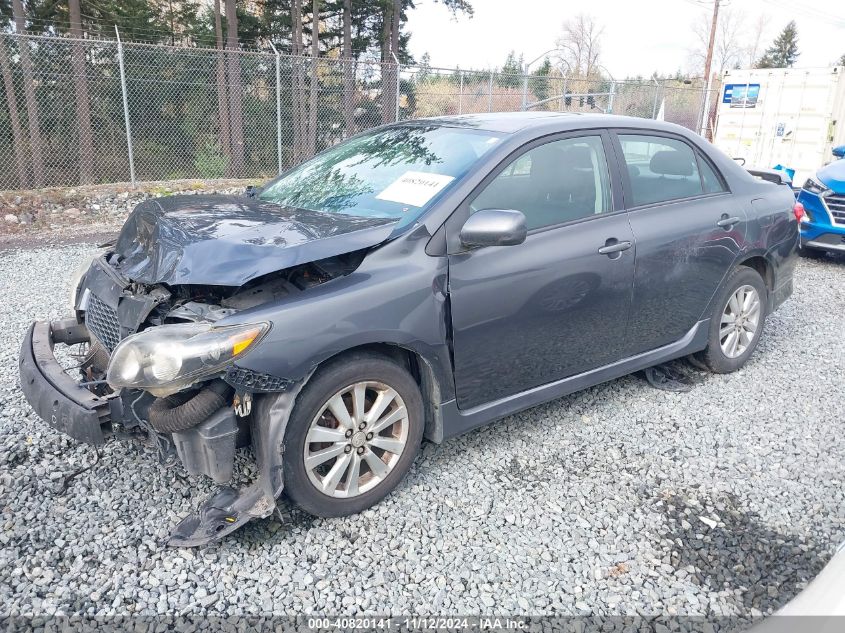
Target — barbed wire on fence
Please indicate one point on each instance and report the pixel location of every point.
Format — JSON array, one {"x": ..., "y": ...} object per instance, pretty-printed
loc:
[{"x": 76, "y": 110}]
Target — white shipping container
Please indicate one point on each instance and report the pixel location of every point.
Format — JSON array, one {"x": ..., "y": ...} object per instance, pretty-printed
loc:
[{"x": 782, "y": 116}]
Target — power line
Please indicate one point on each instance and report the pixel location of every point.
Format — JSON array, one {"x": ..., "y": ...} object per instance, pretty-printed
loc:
[
  {"x": 703, "y": 4},
  {"x": 812, "y": 12}
]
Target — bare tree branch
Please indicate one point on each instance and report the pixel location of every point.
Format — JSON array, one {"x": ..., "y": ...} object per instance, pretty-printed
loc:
[
  {"x": 759, "y": 30},
  {"x": 580, "y": 41},
  {"x": 738, "y": 41}
]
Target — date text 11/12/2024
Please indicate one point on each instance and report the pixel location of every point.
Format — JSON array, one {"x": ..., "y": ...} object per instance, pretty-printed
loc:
[{"x": 482, "y": 623}]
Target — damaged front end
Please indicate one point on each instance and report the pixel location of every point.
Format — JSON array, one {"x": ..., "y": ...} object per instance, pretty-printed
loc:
[{"x": 159, "y": 363}]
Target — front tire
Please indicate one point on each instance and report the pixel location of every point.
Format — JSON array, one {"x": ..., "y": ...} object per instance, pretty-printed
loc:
[
  {"x": 737, "y": 321},
  {"x": 354, "y": 433}
]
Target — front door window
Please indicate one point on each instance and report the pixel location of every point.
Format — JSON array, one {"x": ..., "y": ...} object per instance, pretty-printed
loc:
[{"x": 552, "y": 184}]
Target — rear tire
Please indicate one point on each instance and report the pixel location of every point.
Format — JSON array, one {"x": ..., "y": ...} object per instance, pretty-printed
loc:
[
  {"x": 737, "y": 322},
  {"x": 345, "y": 411}
]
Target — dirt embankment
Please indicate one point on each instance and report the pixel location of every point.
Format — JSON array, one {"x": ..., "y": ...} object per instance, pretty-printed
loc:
[{"x": 91, "y": 213}]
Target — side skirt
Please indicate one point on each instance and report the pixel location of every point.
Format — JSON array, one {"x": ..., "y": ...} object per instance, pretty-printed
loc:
[{"x": 457, "y": 421}]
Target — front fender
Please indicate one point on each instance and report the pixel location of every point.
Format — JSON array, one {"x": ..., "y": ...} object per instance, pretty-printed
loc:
[{"x": 398, "y": 296}]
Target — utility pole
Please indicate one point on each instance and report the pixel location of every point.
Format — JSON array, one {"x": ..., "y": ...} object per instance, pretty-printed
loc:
[{"x": 707, "y": 64}]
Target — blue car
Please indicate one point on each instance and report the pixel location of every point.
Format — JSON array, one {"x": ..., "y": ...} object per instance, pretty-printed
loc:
[{"x": 823, "y": 197}]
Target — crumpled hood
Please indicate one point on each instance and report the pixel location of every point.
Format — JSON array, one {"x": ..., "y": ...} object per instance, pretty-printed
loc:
[{"x": 228, "y": 240}]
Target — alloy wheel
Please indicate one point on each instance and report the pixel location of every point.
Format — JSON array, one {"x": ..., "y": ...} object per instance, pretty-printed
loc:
[
  {"x": 356, "y": 439},
  {"x": 740, "y": 321}
]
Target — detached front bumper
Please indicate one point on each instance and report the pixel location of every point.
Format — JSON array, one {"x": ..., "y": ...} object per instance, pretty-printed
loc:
[
  {"x": 55, "y": 396},
  {"x": 67, "y": 406}
]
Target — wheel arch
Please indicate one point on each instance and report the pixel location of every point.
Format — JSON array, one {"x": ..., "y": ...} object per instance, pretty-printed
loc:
[
  {"x": 272, "y": 410},
  {"x": 424, "y": 371},
  {"x": 765, "y": 269},
  {"x": 757, "y": 261}
]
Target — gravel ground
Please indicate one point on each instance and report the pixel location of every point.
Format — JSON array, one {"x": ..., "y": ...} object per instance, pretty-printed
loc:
[{"x": 618, "y": 500}]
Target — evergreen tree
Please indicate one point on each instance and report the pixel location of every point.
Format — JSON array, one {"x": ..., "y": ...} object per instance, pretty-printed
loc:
[
  {"x": 539, "y": 83},
  {"x": 509, "y": 76},
  {"x": 783, "y": 53},
  {"x": 5, "y": 14},
  {"x": 424, "y": 67},
  {"x": 172, "y": 94}
]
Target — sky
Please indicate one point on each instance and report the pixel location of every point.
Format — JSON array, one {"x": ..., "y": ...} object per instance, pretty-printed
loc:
[{"x": 640, "y": 36}]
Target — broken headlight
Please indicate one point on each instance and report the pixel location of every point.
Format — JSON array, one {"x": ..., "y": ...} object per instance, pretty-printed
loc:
[
  {"x": 816, "y": 186},
  {"x": 167, "y": 358}
]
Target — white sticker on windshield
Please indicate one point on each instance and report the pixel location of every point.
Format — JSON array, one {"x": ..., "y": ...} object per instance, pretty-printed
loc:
[{"x": 414, "y": 188}]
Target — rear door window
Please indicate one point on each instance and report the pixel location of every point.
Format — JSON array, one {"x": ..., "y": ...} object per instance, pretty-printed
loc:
[{"x": 660, "y": 169}]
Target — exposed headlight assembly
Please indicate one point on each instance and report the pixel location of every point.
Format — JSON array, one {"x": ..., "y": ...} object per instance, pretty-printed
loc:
[
  {"x": 167, "y": 358},
  {"x": 77, "y": 277},
  {"x": 817, "y": 187}
]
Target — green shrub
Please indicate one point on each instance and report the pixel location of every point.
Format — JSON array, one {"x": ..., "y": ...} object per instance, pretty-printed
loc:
[{"x": 210, "y": 162}]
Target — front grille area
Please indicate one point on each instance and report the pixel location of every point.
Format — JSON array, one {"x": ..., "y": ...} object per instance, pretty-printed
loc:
[
  {"x": 101, "y": 321},
  {"x": 836, "y": 205}
]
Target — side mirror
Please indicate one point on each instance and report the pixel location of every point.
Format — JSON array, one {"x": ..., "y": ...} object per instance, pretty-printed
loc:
[
  {"x": 494, "y": 227},
  {"x": 839, "y": 152}
]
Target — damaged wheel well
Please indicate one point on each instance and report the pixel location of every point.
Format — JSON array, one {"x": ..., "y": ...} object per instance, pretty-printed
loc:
[
  {"x": 418, "y": 367},
  {"x": 764, "y": 269},
  {"x": 760, "y": 264}
]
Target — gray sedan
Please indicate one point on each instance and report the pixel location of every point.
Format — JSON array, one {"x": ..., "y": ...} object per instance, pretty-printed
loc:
[{"x": 416, "y": 281}]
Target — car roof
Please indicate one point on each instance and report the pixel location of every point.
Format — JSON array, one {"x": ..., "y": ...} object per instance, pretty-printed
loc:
[{"x": 513, "y": 122}]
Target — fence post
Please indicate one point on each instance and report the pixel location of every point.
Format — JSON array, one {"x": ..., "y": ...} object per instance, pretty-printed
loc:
[
  {"x": 398, "y": 83},
  {"x": 461, "y": 93},
  {"x": 563, "y": 95},
  {"x": 656, "y": 95},
  {"x": 610, "y": 98},
  {"x": 524, "y": 92},
  {"x": 125, "y": 107},
  {"x": 278, "y": 108},
  {"x": 490, "y": 94}
]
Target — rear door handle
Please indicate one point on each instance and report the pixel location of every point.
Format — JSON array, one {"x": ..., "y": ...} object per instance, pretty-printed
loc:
[
  {"x": 614, "y": 247},
  {"x": 726, "y": 222}
]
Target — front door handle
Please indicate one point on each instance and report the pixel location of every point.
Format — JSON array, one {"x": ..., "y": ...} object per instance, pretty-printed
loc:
[
  {"x": 726, "y": 222},
  {"x": 612, "y": 246}
]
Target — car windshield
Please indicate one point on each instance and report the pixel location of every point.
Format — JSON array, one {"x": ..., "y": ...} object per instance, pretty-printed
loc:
[{"x": 397, "y": 172}]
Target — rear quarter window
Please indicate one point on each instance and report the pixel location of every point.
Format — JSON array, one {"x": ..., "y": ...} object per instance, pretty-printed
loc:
[{"x": 711, "y": 182}]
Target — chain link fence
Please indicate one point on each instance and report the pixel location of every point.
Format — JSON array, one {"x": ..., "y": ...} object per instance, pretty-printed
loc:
[{"x": 94, "y": 111}]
